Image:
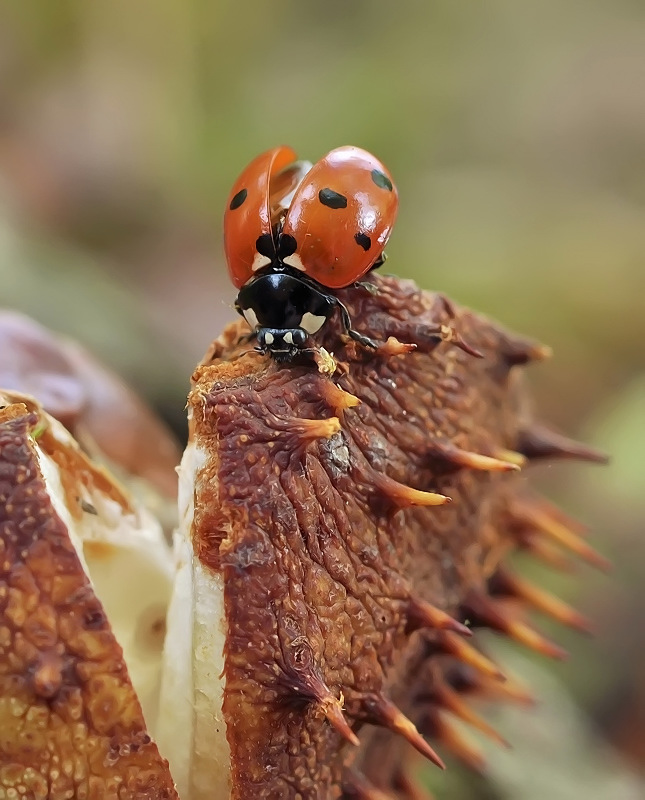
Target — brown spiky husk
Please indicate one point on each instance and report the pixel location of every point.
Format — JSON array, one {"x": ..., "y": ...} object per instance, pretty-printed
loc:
[
  {"x": 325, "y": 506},
  {"x": 71, "y": 722}
]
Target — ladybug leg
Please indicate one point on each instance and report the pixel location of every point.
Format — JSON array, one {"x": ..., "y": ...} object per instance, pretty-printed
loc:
[
  {"x": 369, "y": 287},
  {"x": 365, "y": 284},
  {"x": 355, "y": 335}
]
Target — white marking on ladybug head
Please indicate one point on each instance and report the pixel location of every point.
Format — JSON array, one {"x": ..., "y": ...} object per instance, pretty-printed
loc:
[
  {"x": 260, "y": 261},
  {"x": 311, "y": 323},
  {"x": 251, "y": 317},
  {"x": 268, "y": 338},
  {"x": 288, "y": 337},
  {"x": 294, "y": 261}
]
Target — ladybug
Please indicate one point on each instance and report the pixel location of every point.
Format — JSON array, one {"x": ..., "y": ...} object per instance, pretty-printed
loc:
[{"x": 294, "y": 233}]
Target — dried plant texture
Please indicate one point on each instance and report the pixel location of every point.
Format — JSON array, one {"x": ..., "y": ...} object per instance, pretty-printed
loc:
[
  {"x": 71, "y": 725},
  {"x": 321, "y": 505}
]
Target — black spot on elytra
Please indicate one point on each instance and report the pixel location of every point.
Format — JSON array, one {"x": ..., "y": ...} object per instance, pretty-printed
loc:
[
  {"x": 264, "y": 245},
  {"x": 331, "y": 199},
  {"x": 363, "y": 240},
  {"x": 238, "y": 199},
  {"x": 381, "y": 180},
  {"x": 286, "y": 246}
]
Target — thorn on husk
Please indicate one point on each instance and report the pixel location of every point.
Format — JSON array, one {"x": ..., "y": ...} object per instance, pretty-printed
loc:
[
  {"x": 450, "y": 334},
  {"x": 405, "y": 496},
  {"x": 511, "y": 456},
  {"x": 538, "y": 441},
  {"x": 393, "y": 347},
  {"x": 338, "y": 399},
  {"x": 517, "y": 350},
  {"x": 332, "y": 709},
  {"x": 457, "y": 647},
  {"x": 421, "y": 614},
  {"x": 505, "y": 583},
  {"x": 378, "y": 710},
  {"x": 303, "y": 682},
  {"x": 454, "y": 337},
  {"x": 486, "y": 612},
  {"x": 541, "y": 548},
  {"x": 312, "y": 429},
  {"x": 466, "y": 680},
  {"x": 537, "y": 516},
  {"x": 437, "y": 725},
  {"x": 452, "y": 701},
  {"x": 457, "y": 457}
]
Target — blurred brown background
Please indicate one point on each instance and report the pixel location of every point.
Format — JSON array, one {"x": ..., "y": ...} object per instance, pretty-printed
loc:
[{"x": 516, "y": 132}]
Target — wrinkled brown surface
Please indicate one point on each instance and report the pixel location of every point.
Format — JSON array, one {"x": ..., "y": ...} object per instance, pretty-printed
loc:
[
  {"x": 70, "y": 723},
  {"x": 320, "y": 560}
]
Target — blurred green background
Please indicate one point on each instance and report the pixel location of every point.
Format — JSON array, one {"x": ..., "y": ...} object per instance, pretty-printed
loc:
[{"x": 515, "y": 130}]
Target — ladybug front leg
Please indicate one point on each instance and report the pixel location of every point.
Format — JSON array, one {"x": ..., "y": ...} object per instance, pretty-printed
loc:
[
  {"x": 365, "y": 283},
  {"x": 372, "y": 288},
  {"x": 347, "y": 324}
]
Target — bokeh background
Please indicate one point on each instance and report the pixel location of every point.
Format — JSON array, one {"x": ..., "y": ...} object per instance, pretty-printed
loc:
[{"x": 515, "y": 130}]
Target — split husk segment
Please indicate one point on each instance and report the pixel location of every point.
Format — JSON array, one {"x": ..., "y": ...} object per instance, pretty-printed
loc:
[
  {"x": 323, "y": 502},
  {"x": 72, "y": 724}
]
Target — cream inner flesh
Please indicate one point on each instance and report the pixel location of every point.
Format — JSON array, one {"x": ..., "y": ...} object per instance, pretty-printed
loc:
[
  {"x": 131, "y": 570},
  {"x": 191, "y": 732}
]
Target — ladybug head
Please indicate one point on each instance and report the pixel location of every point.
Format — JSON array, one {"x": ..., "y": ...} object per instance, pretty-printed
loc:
[
  {"x": 282, "y": 343},
  {"x": 284, "y": 309}
]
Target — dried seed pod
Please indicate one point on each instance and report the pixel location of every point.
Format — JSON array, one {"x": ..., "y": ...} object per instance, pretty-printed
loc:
[
  {"x": 70, "y": 706},
  {"x": 325, "y": 586},
  {"x": 321, "y": 564}
]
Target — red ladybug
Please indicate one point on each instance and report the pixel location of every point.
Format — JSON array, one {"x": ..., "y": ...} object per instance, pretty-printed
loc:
[{"x": 293, "y": 232}]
